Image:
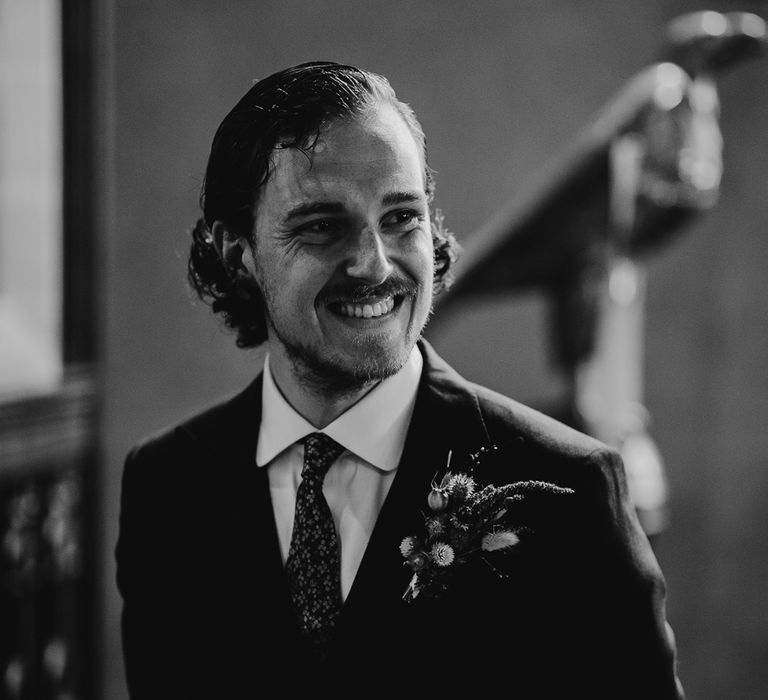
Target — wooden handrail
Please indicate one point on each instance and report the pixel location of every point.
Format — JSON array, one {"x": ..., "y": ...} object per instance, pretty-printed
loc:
[
  {"x": 648, "y": 163},
  {"x": 556, "y": 221}
]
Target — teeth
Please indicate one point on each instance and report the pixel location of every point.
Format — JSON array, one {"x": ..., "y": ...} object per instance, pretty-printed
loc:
[{"x": 368, "y": 310}]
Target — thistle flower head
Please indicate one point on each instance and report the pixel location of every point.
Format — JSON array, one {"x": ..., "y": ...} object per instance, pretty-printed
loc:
[
  {"x": 461, "y": 486},
  {"x": 442, "y": 554},
  {"x": 434, "y": 526}
]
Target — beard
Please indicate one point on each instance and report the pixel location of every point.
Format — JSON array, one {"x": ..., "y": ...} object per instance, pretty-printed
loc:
[{"x": 327, "y": 371}]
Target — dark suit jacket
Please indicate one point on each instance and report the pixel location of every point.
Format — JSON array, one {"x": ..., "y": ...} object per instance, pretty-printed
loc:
[{"x": 206, "y": 613}]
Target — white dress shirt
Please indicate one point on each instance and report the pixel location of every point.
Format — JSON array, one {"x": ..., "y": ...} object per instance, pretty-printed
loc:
[{"x": 373, "y": 434}]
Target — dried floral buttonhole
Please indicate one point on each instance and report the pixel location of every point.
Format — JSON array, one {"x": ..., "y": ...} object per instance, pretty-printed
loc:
[{"x": 464, "y": 523}]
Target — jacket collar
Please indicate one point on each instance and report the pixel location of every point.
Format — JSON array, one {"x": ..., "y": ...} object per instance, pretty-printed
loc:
[{"x": 230, "y": 429}]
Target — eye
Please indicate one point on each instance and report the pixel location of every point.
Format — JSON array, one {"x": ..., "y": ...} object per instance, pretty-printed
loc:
[
  {"x": 403, "y": 219},
  {"x": 320, "y": 226},
  {"x": 319, "y": 230}
]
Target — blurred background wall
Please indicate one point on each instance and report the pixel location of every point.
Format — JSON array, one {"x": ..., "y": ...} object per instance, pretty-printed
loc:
[{"x": 500, "y": 87}]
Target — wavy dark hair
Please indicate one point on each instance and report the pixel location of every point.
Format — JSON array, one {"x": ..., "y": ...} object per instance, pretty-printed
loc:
[{"x": 285, "y": 110}]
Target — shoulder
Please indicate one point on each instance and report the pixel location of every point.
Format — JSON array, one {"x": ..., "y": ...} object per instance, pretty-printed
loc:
[
  {"x": 214, "y": 431},
  {"x": 544, "y": 448},
  {"x": 530, "y": 444},
  {"x": 539, "y": 446},
  {"x": 505, "y": 418},
  {"x": 166, "y": 442}
]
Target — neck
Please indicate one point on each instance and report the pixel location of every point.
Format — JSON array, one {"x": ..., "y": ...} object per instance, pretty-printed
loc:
[{"x": 319, "y": 402}]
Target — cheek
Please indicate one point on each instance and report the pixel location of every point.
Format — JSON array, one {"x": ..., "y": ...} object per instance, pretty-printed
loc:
[
  {"x": 299, "y": 282},
  {"x": 421, "y": 256}
]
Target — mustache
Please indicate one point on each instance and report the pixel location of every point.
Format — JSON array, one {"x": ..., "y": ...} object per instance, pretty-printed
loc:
[{"x": 354, "y": 291}]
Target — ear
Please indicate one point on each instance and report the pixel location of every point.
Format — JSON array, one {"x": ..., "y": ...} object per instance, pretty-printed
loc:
[{"x": 234, "y": 250}]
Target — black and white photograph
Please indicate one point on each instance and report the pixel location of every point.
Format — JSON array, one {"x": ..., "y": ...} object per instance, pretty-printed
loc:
[{"x": 383, "y": 350}]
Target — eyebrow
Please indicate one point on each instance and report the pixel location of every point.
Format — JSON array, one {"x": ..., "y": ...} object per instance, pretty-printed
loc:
[
  {"x": 401, "y": 198},
  {"x": 310, "y": 208}
]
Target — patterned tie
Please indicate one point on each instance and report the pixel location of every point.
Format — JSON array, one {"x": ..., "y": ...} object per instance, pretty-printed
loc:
[{"x": 313, "y": 564}]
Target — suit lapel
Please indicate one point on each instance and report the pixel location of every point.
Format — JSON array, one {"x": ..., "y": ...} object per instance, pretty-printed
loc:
[
  {"x": 446, "y": 417},
  {"x": 267, "y": 573},
  {"x": 244, "y": 512}
]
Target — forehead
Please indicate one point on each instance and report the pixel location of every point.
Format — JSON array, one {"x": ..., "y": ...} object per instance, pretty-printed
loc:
[{"x": 361, "y": 156}]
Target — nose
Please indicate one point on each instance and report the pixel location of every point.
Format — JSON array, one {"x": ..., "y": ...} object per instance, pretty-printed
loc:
[{"x": 368, "y": 260}]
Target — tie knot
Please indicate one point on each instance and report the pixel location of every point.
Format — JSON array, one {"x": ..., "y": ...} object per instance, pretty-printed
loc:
[{"x": 320, "y": 451}]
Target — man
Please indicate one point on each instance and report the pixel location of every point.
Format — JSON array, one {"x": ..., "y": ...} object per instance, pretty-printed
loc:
[{"x": 261, "y": 542}]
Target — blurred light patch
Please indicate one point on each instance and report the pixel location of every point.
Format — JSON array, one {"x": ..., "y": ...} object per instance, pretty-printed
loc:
[
  {"x": 671, "y": 84},
  {"x": 713, "y": 23},
  {"x": 30, "y": 195}
]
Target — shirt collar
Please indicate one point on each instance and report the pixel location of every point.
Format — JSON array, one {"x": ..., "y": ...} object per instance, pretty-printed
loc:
[{"x": 374, "y": 428}]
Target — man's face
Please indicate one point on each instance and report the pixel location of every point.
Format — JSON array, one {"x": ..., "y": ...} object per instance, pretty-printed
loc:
[{"x": 343, "y": 252}]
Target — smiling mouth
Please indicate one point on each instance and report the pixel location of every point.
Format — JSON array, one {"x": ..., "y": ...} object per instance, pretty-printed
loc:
[{"x": 367, "y": 309}]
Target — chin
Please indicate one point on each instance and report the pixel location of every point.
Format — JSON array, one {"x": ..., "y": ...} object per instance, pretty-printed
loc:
[
  {"x": 366, "y": 366},
  {"x": 381, "y": 355},
  {"x": 341, "y": 372}
]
